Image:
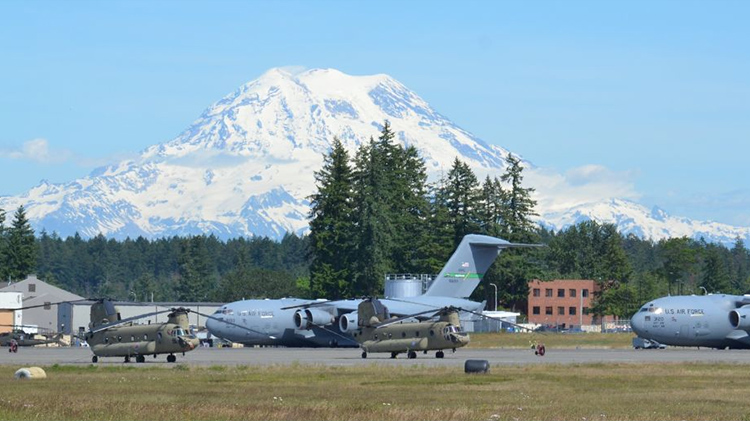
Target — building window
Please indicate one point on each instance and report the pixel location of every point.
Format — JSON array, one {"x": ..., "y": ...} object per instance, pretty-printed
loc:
[
  {"x": 584, "y": 293},
  {"x": 548, "y": 311},
  {"x": 561, "y": 311},
  {"x": 571, "y": 311},
  {"x": 586, "y": 310},
  {"x": 548, "y": 292},
  {"x": 32, "y": 287},
  {"x": 572, "y": 293},
  {"x": 537, "y": 292},
  {"x": 536, "y": 310},
  {"x": 561, "y": 293}
]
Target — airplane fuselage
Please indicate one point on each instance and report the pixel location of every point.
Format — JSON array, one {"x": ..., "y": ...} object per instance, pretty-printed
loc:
[
  {"x": 715, "y": 320},
  {"x": 267, "y": 322}
]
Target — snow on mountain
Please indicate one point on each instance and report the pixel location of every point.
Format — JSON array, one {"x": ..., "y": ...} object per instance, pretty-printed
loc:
[
  {"x": 655, "y": 224},
  {"x": 245, "y": 166}
]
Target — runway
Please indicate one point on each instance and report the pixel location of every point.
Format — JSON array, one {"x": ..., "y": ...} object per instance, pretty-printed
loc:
[{"x": 42, "y": 356}]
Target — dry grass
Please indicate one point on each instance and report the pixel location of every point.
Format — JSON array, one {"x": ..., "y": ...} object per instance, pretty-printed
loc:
[{"x": 307, "y": 392}]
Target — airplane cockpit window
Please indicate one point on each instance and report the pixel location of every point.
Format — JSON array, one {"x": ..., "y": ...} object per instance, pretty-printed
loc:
[
  {"x": 227, "y": 311},
  {"x": 644, "y": 309},
  {"x": 655, "y": 310}
]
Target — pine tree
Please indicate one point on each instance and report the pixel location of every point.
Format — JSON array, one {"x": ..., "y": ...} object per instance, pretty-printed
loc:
[
  {"x": 461, "y": 198},
  {"x": 331, "y": 226},
  {"x": 21, "y": 249},
  {"x": 374, "y": 229},
  {"x": 3, "y": 248}
]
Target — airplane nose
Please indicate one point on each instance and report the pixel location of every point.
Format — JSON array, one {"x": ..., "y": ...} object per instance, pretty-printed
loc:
[
  {"x": 211, "y": 326},
  {"x": 636, "y": 323}
]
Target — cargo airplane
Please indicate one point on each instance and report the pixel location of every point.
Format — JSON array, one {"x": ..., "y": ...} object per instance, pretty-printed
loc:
[{"x": 297, "y": 322}]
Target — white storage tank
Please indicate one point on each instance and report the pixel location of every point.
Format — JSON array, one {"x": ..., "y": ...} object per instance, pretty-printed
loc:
[{"x": 403, "y": 286}]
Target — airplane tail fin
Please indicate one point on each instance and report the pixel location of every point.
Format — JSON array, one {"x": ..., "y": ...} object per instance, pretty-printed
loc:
[{"x": 468, "y": 264}]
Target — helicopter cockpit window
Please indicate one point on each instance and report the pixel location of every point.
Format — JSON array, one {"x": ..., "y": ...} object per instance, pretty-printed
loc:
[{"x": 159, "y": 335}]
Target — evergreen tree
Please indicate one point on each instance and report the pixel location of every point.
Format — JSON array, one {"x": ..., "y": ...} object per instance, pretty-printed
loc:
[
  {"x": 374, "y": 229},
  {"x": 21, "y": 248},
  {"x": 507, "y": 213},
  {"x": 195, "y": 276},
  {"x": 715, "y": 274},
  {"x": 331, "y": 226},
  {"x": 4, "y": 274},
  {"x": 518, "y": 208},
  {"x": 462, "y": 198}
]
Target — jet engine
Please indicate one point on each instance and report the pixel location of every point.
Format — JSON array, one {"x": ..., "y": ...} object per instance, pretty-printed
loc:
[
  {"x": 310, "y": 317},
  {"x": 740, "y": 318},
  {"x": 348, "y": 322}
]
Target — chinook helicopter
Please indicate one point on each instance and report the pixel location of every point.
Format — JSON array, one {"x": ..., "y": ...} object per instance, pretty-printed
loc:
[
  {"x": 109, "y": 336},
  {"x": 23, "y": 338},
  {"x": 378, "y": 332}
]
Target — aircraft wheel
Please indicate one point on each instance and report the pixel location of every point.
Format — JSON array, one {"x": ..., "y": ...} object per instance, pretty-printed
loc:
[
  {"x": 127, "y": 359},
  {"x": 171, "y": 358},
  {"x": 412, "y": 355},
  {"x": 439, "y": 354},
  {"x": 364, "y": 354},
  {"x": 140, "y": 359},
  {"x": 394, "y": 354},
  {"x": 94, "y": 359}
]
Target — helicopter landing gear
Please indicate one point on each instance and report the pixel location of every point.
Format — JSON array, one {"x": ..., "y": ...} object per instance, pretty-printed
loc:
[
  {"x": 439, "y": 354},
  {"x": 394, "y": 354},
  {"x": 94, "y": 359},
  {"x": 171, "y": 358},
  {"x": 140, "y": 359},
  {"x": 412, "y": 355},
  {"x": 364, "y": 354},
  {"x": 127, "y": 358}
]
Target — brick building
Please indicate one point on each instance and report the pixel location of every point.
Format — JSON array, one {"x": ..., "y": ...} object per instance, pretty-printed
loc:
[{"x": 561, "y": 302}]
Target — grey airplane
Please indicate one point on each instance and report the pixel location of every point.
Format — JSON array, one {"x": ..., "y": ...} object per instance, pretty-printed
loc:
[
  {"x": 713, "y": 321},
  {"x": 295, "y": 322}
]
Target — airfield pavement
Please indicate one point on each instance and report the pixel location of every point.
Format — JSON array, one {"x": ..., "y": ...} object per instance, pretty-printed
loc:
[{"x": 46, "y": 356}]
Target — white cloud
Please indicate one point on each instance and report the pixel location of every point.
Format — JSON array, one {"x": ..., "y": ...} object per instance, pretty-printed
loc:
[
  {"x": 37, "y": 150},
  {"x": 581, "y": 185}
]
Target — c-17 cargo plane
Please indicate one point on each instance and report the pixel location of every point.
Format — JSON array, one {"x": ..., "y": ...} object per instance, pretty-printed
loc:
[
  {"x": 295, "y": 322},
  {"x": 713, "y": 321}
]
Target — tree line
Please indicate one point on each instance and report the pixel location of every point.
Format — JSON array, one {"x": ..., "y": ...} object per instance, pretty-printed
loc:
[{"x": 375, "y": 213}]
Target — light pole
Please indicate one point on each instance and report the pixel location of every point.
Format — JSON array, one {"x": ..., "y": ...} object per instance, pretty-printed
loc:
[{"x": 495, "y": 295}]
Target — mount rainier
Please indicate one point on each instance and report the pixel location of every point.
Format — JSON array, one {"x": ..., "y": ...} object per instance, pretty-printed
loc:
[{"x": 245, "y": 166}]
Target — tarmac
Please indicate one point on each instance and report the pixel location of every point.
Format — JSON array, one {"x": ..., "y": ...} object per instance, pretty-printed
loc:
[{"x": 46, "y": 356}]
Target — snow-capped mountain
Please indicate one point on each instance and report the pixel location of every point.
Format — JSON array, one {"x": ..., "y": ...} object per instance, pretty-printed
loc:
[
  {"x": 245, "y": 166},
  {"x": 656, "y": 224}
]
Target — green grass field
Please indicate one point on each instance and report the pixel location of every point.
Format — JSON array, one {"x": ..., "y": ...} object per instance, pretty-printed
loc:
[{"x": 312, "y": 392}]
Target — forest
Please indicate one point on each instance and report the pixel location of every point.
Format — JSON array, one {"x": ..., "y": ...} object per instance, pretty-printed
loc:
[{"x": 372, "y": 214}]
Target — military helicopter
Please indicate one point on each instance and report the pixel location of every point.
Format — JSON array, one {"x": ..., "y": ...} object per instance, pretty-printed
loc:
[
  {"x": 23, "y": 338},
  {"x": 111, "y": 336},
  {"x": 378, "y": 332}
]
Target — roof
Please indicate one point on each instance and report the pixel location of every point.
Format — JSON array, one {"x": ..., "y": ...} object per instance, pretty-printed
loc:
[{"x": 34, "y": 289}]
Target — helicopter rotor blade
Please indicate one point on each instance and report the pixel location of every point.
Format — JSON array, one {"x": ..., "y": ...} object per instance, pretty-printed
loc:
[
  {"x": 402, "y": 318},
  {"x": 55, "y": 303},
  {"x": 129, "y": 319}
]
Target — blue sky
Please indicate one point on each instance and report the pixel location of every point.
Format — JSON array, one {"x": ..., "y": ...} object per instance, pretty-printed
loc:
[{"x": 658, "y": 93}]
